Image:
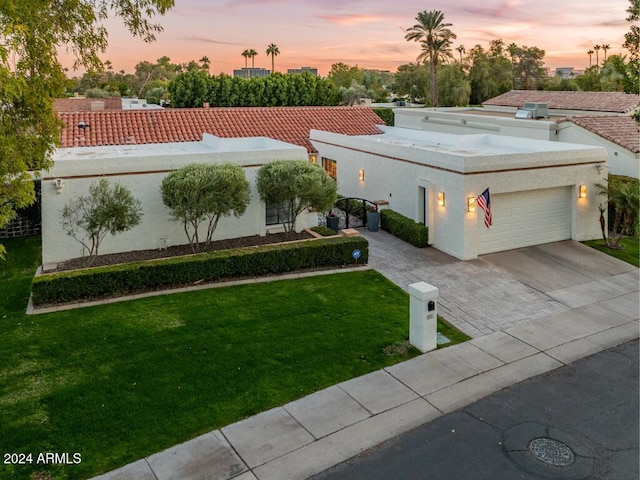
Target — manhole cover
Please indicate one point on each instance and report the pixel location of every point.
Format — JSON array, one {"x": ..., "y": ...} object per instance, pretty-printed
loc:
[{"x": 551, "y": 452}]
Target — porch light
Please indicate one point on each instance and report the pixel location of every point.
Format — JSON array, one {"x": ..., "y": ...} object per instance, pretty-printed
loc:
[
  {"x": 441, "y": 199},
  {"x": 362, "y": 175},
  {"x": 314, "y": 158},
  {"x": 471, "y": 204},
  {"x": 582, "y": 191}
]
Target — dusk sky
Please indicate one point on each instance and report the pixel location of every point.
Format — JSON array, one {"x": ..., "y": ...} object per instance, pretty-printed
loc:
[{"x": 367, "y": 33}]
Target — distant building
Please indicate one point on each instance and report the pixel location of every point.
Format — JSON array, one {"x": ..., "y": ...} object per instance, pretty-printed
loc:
[
  {"x": 312, "y": 71},
  {"x": 567, "y": 72},
  {"x": 251, "y": 72}
]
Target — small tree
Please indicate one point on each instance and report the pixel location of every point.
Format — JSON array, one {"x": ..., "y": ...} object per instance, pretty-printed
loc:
[
  {"x": 623, "y": 195},
  {"x": 293, "y": 186},
  {"x": 107, "y": 209},
  {"x": 199, "y": 193}
]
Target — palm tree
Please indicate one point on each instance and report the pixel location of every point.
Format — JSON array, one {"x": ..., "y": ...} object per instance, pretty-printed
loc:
[
  {"x": 246, "y": 54},
  {"x": 605, "y": 47},
  {"x": 590, "y": 52},
  {"x": 252, "y": 55},
  {"x": 597, "y": 49},
  {"x": 435, "y": 37},
  {"x": 461, "y": 50},
  {"x": 273, "y": 50},
  {"x": 206, "y": 63},
  {"x": 514, "y": 50}
]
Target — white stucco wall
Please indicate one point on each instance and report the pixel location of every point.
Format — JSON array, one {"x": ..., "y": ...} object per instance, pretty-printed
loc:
[
  {"x": 398, "y": 163},
  {"x": 463, "y": 122},
  {"x": 141, "y": 169}
]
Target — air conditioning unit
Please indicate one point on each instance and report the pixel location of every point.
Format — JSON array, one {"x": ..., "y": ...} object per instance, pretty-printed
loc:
[{"x": 540, "y": 110}]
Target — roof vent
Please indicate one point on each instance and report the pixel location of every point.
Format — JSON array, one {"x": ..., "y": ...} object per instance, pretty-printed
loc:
[{"x": 521, "y": 113}]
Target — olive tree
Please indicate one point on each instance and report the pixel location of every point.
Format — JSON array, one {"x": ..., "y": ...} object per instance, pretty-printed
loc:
[
  {"x": 107, "y": 209},
  {"x": 293, "y": 186},
  {"x": 203, "y": 193}
]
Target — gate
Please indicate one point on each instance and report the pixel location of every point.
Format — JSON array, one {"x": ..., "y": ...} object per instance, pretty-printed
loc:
[{"x": 351, "y": 212}]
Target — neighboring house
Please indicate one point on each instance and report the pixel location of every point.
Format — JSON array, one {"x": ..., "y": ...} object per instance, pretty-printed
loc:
[
  {"x": 139, "y": 148},
  {"x": 141, "y": 168},
  {"x": 535, "y": 185},
  {"x": 589, "y": 118},
  {"x": 567, "y": 103},
  {"x": 82, "y": 104}
]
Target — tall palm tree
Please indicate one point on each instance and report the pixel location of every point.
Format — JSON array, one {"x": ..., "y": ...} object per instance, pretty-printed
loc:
[
  {"x": 206, "y": 63},
  {"x": 590, "y": 52},
  {"x": 597, "y": 49},
  {"x": 252, "y": 55},
  {"x": 273, "y": 50},
  {"x": 246, "y": 55},
  {"x": 461, "y": 50},
  {"x": 435, "y": 37},
  {"x": 514, "y": 50},
  {"x": 605, "y": 47}
]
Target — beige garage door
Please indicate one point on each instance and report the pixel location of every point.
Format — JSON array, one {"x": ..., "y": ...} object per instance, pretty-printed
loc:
[{"x": 521, "y": 219}]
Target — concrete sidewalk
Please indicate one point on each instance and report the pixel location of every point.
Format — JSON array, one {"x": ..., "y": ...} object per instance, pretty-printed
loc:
[{"x": 314, "y": 433}]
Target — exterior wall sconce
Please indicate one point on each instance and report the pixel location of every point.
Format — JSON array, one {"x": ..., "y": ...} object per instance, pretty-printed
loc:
[
  {"x": 361, "y": 176},
  {"x": 314, "y": 159},
  {"x": 441, "y": 199},
  {"x": 471, "y": 204},
  {"x": 58, "y": 183},
  {"x": 582, "y": 191}
]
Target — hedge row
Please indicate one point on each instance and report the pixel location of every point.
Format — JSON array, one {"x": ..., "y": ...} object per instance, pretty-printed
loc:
[
  {"x": 101, "y": 282},
  {"x": 404, "y": 228}
]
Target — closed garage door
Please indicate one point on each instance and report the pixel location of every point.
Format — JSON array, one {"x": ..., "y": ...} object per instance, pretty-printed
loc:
[{"x": 526, "y": 218}]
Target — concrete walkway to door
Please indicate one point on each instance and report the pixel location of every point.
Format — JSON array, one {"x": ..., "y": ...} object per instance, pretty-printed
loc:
[{"x": 500, "y": 290}]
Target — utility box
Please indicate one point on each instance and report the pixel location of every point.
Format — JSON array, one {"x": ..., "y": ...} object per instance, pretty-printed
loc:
[{"x": 423, "y": 311}]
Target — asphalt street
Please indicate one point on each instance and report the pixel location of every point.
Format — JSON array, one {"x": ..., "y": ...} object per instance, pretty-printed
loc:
[{"x": 577, "y": 422}]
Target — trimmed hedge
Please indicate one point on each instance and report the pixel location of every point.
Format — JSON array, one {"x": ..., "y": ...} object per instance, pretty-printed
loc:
[
  {"x": 324, "y": 231},
  {"x": 385, "y": 114},
  {"x": 101, "y": 282},
  {"x": 404, "y": 228}
]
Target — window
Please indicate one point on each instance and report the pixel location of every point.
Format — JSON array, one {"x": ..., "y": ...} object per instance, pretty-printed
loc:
[
  {"x": 331, "y": 167},
  {"x": 274, "y": 215}
]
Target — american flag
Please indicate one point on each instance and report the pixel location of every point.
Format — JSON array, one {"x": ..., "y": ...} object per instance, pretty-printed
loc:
[{"x": 484, "y": 202}]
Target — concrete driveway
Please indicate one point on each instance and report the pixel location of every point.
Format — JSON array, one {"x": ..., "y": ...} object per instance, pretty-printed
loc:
[{"x": 501, "y": 290}]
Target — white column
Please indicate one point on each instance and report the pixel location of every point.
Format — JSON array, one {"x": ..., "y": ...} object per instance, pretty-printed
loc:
[{"x": 423, "y": 310}]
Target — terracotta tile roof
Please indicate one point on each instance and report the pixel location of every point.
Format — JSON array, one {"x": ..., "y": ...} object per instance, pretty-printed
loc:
[
  {"x": 614, "y": 102},
  {"x": 621, "y": 130},
  {"x": 289, "y": 124},
  {"x": 86, "y": 104}
]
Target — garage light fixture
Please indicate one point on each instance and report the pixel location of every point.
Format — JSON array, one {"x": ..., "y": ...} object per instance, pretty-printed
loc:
[
  {"x": 471, "y": 204},
  {"x": 362, "y": 175},
  {"x": 582, "y": 191},
  {"x": 441, "y": 199}
]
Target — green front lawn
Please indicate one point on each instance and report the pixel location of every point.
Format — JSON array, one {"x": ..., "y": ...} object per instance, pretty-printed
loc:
[
  {"x": 630, "y": 253},
  {"x": 118, "y": 382}
]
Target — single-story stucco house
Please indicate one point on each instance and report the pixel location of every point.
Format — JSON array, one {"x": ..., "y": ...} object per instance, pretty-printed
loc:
[
  {"x": 540, "y": 191},
  {"x": 139, "y": 148},
  {"x": 141, "y": 168},
  {"x": 589, "y": 118}
]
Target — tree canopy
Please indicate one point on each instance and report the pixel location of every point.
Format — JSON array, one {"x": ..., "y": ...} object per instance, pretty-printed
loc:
[
  {"x": 203, "y": 193},
  {"x": 31, "y": 77},
  {"x": 293, "y": 186}
]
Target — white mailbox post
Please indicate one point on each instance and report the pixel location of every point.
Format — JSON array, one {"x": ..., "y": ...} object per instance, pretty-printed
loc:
[{"x": 423, "y": 310}]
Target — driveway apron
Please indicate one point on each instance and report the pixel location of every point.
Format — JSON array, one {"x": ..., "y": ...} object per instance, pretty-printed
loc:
[{"x": 504, "y": 289}]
